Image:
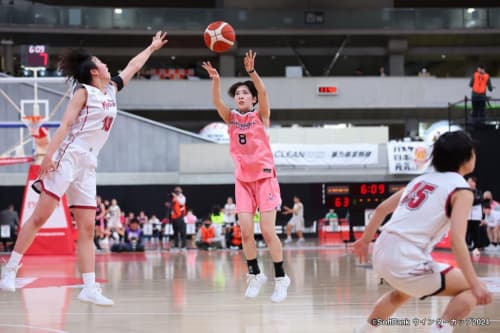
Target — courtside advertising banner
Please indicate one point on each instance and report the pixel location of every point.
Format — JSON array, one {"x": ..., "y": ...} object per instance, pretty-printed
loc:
[
  {"x": 324, "y": 155},
  {"x": 408, "y": 157}
]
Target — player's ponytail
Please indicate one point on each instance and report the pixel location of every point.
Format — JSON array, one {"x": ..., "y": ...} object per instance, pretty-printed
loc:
[{"x": 76, "y": 64}]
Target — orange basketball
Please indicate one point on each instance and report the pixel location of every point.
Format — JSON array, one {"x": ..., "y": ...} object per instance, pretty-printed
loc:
[{"x": 219, "y": 36}]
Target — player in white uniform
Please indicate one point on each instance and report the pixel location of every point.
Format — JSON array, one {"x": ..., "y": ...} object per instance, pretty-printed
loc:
[
  {"x": 71, "y": 159},
  {"x": 296, "y": 222},
  {"x": 423, "y": 212},
  {"x": 492, "y": 220}
]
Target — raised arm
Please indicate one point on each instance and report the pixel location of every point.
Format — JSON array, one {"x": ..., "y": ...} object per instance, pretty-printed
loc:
[
  {"x": 222, "y": 109},
  {"x": 264, "y": 110},
  {"x": 380, "y": 213},
  {"x": 136, "y": 63}
]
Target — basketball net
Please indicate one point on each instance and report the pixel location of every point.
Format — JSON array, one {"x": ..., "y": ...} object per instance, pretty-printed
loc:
[{"x": 40, "y": 136}]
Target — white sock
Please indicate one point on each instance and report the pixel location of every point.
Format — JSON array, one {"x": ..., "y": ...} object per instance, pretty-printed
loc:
[
  {"x": 88, "y": 279},
  {"x": 367, "y": 328},
  {"x": 15, "y": 259}
]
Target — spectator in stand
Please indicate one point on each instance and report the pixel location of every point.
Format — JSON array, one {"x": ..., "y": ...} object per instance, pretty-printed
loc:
[
  {"x": 217, "y": 219},
  {"x": 178, "y": 213},
  {"x": 229, "y": 212},
  {"x": 9, "y": 222},
  {"x": 190, "y": 219},
  {"x": 492, "y": 222},
  {"x": 156, "y": 223},
  {"x": 479, "y": 82},
  {"x": 473, "y": 237},
  {"x": 147, "y": 229},
  {"x": 99, "y": 222},
  {"x": 229, "y": 215},
  {"x": 142, "y": 218},
  {"x": 163, "y": 237},
  {"x": 129, "y": 218},
  {"x": 233, "y": 237},
  {"x": 208, "y": 237},
  {"x": 332, "y": 219},
  {"x": 487, "y": 196},
  {"x": 132, "y": 239},
  {"x": 114, "y": 219}
]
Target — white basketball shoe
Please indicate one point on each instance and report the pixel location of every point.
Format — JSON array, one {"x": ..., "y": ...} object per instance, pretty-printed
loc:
[
  {"x": 93, "y": 294},
  {"x": 255, "y": 282},
  {"x": 280, "y": 289}
]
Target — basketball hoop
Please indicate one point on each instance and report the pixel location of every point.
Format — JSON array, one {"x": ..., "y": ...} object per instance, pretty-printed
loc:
[{"x": 33, "y": 123}]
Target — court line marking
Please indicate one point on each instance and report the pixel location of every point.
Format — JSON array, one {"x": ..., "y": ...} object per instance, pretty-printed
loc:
[{"x": 33, "y": 327}]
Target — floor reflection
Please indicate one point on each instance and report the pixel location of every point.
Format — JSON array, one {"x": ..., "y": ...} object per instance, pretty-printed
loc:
[{"x": 196, "y": 291}]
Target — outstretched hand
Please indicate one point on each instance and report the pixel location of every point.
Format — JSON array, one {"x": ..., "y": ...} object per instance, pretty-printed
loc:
[
  {"x": 360, "y": 249},
  {"x": 159, "y": 39},
  {"x": 46, "y": 166},
  {"x": 212, "y": 72},
  {"x": 249, "y": 60}
]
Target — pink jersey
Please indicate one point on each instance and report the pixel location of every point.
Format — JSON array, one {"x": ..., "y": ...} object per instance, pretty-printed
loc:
[{"x": 249, "y": 146}]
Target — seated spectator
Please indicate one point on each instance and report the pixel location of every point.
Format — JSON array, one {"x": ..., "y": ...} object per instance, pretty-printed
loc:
[
  {"x": 217, "y": 218},
  {"x": 233, "y": 237},
  {"x": 156, "y": 223},
  {"x": 190, "y": 218},
  {"x": 492, "y": 220},
  {"x": 132, "y": 239},
  {"x": 9, "y": 221},
  {"x": 487, "y": 196},
  {"x": 332, "y": 219},
  {"x": 208, "y": 237}
]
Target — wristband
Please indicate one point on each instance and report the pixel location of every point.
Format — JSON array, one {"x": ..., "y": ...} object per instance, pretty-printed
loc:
[{"x": 251, "y": 71}]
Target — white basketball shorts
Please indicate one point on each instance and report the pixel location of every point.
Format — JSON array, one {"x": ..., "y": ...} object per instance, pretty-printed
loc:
[
  {"x": 75, "y": 175},
  {"x": 297, "y": 223},
  {"x": 407, "y": 268}
]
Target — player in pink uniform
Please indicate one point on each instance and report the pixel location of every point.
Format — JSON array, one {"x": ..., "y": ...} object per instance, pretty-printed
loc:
[
  {"x": 423, "y": 213},
  {"x": 71, "y": 159},
  {"x": 256, "y": 185}
]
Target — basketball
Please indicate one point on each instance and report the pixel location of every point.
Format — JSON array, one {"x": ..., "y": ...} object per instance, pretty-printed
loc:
[{"x": 219, "y": 36}]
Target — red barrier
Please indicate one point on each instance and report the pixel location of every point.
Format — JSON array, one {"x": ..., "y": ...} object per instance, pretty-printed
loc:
[{"x": 56, "y": 235}]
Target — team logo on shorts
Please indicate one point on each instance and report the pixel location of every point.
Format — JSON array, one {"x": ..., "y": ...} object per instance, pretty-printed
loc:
[
  {"x": 270, "y": 196},
  {"x": 422, "y": 269}
]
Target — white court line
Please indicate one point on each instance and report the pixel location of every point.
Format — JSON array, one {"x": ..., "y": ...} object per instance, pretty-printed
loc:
[{"x": 33, "y": 327}]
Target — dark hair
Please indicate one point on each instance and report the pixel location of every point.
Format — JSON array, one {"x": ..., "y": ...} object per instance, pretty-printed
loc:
[
  {"x": 480, "y": 66},
  {"x": 451, "y": 150},
  {"x": 249, "y": 84},
  {"x": 216, "y": 210},
  {"x": 472, "y": 177},
  {"x": 76, "y": 64}
]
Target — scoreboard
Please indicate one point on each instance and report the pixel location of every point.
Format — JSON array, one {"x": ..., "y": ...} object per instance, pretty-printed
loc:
[
  {"x": 34, "y": 56},
  {"x": 356, "y": 198}
]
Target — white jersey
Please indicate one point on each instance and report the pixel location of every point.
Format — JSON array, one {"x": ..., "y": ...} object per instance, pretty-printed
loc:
[
  {"x": 90, "y": 130},
  {"x": 422, "y": 214},
  {"x": 230, "y": 213},
  {"x": 299, "y": 209},
  {"x": 476, "y": 213},
  {"x": 492, "y": 219}
]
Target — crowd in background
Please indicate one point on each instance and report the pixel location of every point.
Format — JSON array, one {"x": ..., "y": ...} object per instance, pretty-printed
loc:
[{"x": 180, "y": 229}]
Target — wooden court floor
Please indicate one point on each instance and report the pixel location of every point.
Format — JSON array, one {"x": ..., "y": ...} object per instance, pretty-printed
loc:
[{"x": 199, "y": 291}]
